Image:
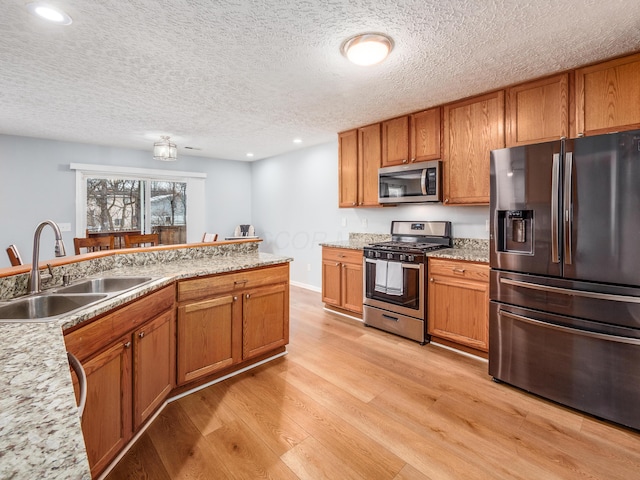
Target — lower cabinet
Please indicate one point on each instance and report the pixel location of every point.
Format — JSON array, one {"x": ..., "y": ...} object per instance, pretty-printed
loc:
[
  {"x": 342, "y": 281},
  {"x": 127, "y": 356},
  {"x": 228, "y": 318},
  {"x": 458, "y": 302}
]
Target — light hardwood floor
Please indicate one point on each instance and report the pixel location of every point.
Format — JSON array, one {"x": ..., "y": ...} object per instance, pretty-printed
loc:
[{"x": 349, "y": 402}]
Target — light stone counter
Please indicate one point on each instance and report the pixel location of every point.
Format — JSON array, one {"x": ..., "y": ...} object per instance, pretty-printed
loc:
[
  {"x": 470, "y": 249},
  {"x": 357, "y": 241},
  {"x": 40, "y": 432}
]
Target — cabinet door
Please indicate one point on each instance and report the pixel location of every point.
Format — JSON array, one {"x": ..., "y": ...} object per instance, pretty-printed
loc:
[
  {"x": 395, "y": 141},
  {"x": 608, "y": 96},
  {"x": 352, "y": 286},
  {"x": 153, "y": 366},
  {"x": 425, "y": 137},
  {"x": 208, "y": 336},
  {"x": 331, "y": 282},
  {"x": 368, "y": 165},
  {"x": 472, "y": 129},
  {"x": 106, "y": 423},
  {"x": 459, "y": 311},
  {"x": 265, "y": 319},
  {"x": 538, "y": 111},
  {"x": 348, "y": 168}
]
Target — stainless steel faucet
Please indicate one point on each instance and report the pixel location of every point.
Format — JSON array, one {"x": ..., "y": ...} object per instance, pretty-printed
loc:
[{"x": 34, "y": 281}]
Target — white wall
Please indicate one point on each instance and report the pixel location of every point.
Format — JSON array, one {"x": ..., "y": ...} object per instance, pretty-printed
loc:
[
  {"x": 295, "y": 207},
  {"x": 37, "y": 184}
]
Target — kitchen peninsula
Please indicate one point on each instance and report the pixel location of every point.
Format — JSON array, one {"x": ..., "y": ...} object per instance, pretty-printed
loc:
[{"x": 40, "y": 431}]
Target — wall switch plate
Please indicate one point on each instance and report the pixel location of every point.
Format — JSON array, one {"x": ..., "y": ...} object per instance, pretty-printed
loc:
[
  {"x": 308, "y": 267},
  {"x": 344, "y": 221},
  {"x": 487, "y": 225},
  {"x": 365, "y": 222},
  {"x": 65, "y": 227}
]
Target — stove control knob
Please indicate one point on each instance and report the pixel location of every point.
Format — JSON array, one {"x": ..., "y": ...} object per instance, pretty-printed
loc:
[
  {"x": 377, "y": 254},
  {"x": 390, "y": 256},
  {"x": 411, "y": 258},
  {"x": 402, "y": 257}
]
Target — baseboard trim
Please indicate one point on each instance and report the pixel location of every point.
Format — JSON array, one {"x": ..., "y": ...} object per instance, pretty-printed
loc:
[
  {"x": 342, "y": 314},
  {"x": 460, "y": 352},
  {"x": 306, "y": 286}
]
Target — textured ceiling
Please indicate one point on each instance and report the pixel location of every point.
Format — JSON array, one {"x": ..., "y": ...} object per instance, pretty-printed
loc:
[{"x": 235, "y": 76}]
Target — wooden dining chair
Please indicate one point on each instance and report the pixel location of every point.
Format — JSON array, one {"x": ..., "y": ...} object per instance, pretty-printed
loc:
[
  {"x": 209, "y": 237},
  {"x": 14, "y": 255},
  {"x": 93, "y": 244},
  {"x": 145, "y": 239}
]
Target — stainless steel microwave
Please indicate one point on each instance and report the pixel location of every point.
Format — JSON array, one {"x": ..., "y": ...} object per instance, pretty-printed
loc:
[{"x": 412, "y": 183}]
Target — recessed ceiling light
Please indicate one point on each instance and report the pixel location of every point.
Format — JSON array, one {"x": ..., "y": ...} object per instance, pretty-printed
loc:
[
  {"x": 249, "y": 154},
  {"x": 367, "y": 48},
  {"x": 49, "y": 13},
  {"x": 297, "y": 140}
]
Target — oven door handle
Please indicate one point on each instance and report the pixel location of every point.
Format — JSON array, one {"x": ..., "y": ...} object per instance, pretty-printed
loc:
[
  {"x": 404, "y": 265},
  {"x": 573, "y": 331}
]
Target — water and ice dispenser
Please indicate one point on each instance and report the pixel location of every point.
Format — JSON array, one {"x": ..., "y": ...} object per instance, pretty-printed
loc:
[{"x": 515, "y": 232}]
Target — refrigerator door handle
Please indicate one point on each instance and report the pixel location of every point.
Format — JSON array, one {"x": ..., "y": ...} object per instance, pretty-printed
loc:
[
  {"x": 572, "y": 331},
  {"x": 555, "y": 223},
  {"x": 568, "y": 207},
  {"x": 568, "y": 291}
]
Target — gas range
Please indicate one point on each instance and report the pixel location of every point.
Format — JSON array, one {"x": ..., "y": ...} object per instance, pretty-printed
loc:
[{"x": 411, "y": 240}]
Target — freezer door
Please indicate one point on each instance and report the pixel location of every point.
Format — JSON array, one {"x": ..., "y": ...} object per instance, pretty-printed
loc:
[
  {"x": 525, "y": 206},
  {"x": 601, "y": 214}
]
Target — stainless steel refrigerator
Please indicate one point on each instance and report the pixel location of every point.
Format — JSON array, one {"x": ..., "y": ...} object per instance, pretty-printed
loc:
[{"x": 565, "y": 272}]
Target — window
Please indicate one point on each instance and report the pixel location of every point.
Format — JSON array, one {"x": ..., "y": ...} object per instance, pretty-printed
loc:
[{"x": 121, "y": 199}]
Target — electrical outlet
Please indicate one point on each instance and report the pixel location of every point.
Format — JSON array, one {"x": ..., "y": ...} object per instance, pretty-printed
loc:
[
  {"x": 487, "y": 225},
  {"x": 64, "y": 227},
  {"x": 344, "y": 221},
  {"x": 308, "y": 267},
  {"x": 365, "y": 222}
]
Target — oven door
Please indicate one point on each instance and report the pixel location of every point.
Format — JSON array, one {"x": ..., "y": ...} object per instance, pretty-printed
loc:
[{"x": 410, "y": 302}]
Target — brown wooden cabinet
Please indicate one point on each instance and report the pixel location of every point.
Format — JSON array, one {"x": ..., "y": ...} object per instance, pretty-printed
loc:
[
  {"x": 538, "y": 111},
  {"x": 608, "y": 96},
  {"x": 472, "y": 129},
  {"x": 359, "y": 161},
  {"x": 412, "y": 138},
  {"x": 127, "y": 356},
  {"x": 227, "y": 318},
  {"x": 342, "y": 278},
  {"x": 458, "y": 296},
  {"x": 395, "y": 141}
]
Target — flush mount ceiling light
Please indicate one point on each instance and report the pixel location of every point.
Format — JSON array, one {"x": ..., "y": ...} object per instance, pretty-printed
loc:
[
  {"x": 164, "y": 150},
  {"x": 367, "y": 48},
  {"x": 49, "y": 13}
]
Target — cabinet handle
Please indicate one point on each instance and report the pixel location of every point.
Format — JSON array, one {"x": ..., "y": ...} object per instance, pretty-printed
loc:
[
  {"x": 337, "y": 264},
  {"x": 413, "y": 160},
  {"x": 247, "y": 296},
  {"x": 127, "y": 345},
  {"x": 459, "y": 271},
  {"x": 353, "y": 204},
  {"x": 235, "y": 299},
  {"x": 404, "y": 160},
  {"x": 240, "y": 282},
  {"x": 141, "y": 335},
  {"x": 431, "y": 279},
  {"x": 446, "y": 200}
]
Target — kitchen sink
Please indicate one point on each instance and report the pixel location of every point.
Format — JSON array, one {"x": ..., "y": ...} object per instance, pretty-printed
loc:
[
  {"x": 44, "y": 307},
  {"x": 104, "y": 285}
]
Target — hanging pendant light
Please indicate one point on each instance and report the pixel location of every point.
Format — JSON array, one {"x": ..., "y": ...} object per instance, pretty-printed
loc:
[{"x": 164, "y": 150}]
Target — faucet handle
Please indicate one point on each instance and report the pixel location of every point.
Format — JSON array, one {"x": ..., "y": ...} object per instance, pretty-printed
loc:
[{"x": 47, "y": 277}]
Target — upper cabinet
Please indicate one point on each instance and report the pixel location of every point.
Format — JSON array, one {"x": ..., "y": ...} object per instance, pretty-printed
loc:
[
  {"x": 412, "y": 138},
  {"x": 359, "y": 161},
  {"x": 608, "y": 96},
  {"x": 395, "y": 141},
  {"x": 537, "y": 111},
  {"x": 472, "y": 128},
  {"x": 425, "y": 135}
]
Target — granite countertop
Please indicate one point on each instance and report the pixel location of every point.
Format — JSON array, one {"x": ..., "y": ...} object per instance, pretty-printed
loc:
[
  {"x": 40, "y": 432},
  {"x": 470, "y": 249}
]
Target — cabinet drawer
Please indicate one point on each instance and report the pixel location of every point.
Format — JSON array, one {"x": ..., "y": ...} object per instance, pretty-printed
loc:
[
  {"x": 84, "y": 341},
  {"x": 227, "y": 282},
  {"x": 343, "y": 255},
  {"x": 459, "y": 269}
]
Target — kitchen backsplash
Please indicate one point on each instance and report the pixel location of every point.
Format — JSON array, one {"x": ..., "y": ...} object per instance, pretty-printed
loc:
[{"x": 17, "y": 285}]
